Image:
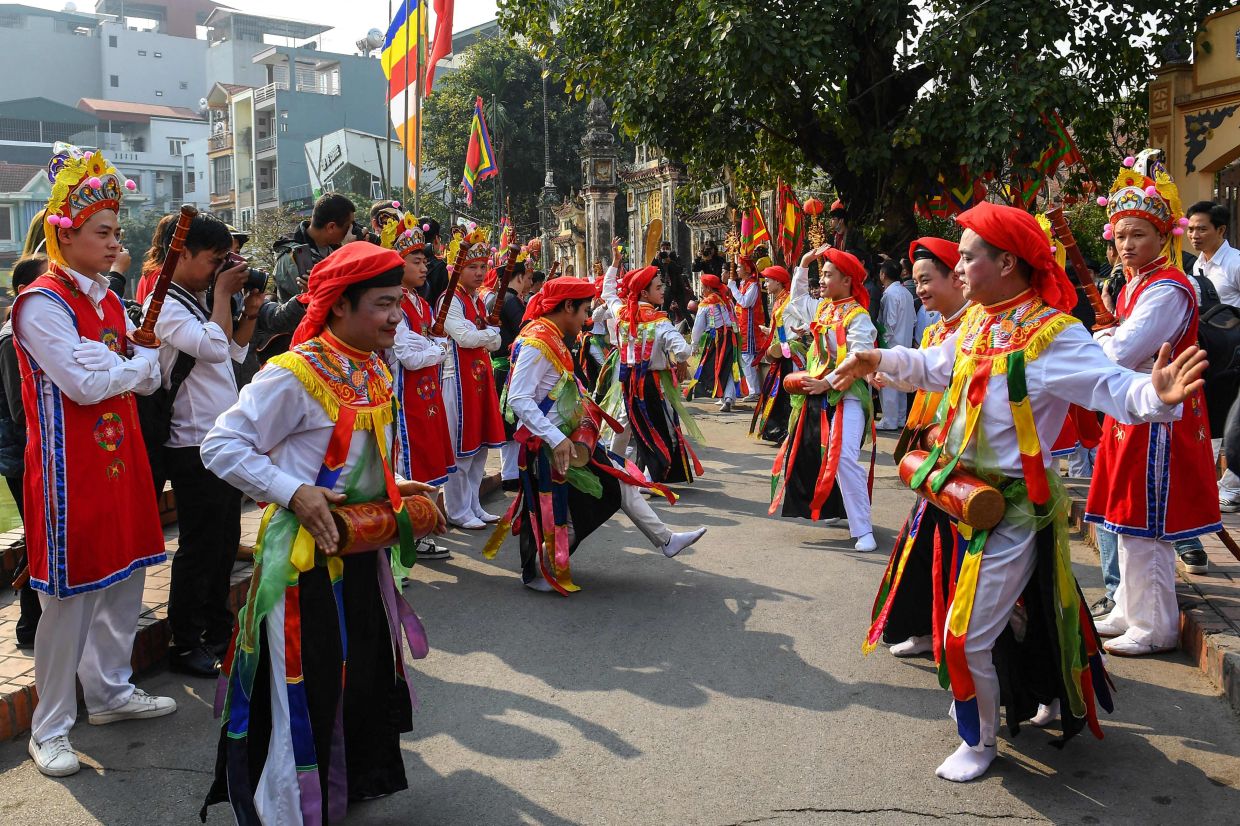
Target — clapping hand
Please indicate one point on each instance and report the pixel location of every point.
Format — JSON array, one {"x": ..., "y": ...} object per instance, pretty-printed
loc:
[
  {"x": 858, "y": 365},
  {"x": 1176, "y": 380}
]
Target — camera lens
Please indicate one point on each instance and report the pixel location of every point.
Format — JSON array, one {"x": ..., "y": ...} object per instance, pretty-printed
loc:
[{"x": 255, "y": 280}]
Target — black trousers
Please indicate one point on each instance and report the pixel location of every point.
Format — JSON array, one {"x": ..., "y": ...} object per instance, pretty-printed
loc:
[
  {"x": 209, "y": 524},
  {"x": 28, "y": 598}
]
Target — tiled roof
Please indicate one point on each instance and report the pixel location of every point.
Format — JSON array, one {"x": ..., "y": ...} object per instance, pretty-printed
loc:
[{"x": 14, "y": 176}]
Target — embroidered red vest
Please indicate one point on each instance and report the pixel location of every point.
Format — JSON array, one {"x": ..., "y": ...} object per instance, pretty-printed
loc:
[
  {"x": 90, "y": 512},
  {"x": 478, "y": 420},
  {"x": 749, "y": 319},
  {"x": 1148, "y": 478},
  {"x": 423, "y": 445}
]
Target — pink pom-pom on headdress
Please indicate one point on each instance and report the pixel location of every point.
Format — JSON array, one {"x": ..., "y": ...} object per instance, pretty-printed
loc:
[
  {"x": 94, "y": 183},
  {"x": 396, "y": 204},
  {"x": 1130, "y": 161},
  {"x": 1177, "y": 231},
  {"x": 1102, "y": 200},
  {"x": 1184, "y": 222},
  {"x": 130, "y": 185},
  {"x": 426, "y": 227},
  {"x": 54, "y": 220},
  {"x": 1151, "y": 190}
]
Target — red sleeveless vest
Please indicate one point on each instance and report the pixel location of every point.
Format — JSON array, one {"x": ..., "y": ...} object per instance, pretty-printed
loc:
[
  {"x": 1148, "y": 478},
  {"x": 423, "y": 445},
  {"x": 90, "y": 512},
  {"x": 478, "y": 420}
]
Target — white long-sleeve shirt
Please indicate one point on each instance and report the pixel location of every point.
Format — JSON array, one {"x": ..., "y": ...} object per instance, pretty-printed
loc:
[
  {"x": 747, "y": 297},
  {"x": 711, "y": 317},
  {"x": 670, "y": 345},
  {"x": 464, "y": 333},
  {"x": 273, "y": 440},
  {"x": 413, "y": 351},
  {"x": 1161, "y": 315},
  {"x": 211, "y": 386},
  {"x": 47, "y": 333},
  {"x": 899, "y": 315},
  {"x": 532, "y": 379},
  {"x": 1223, "y": 270},
  {"x": 861, "y": 335},
  {"x": 1072, "y": 369}
]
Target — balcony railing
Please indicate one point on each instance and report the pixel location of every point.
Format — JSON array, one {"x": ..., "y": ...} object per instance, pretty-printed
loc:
[
  {"x": 269, "y": 193},
  {"x": 220, "y": 142},
  {"x": 245, "y": 184},
  {"x": 265, "y": 144},
  {"x": 223, "y": 197},
  {"x": 268, "y": 92},
  {"x": 297, "y": 193}
]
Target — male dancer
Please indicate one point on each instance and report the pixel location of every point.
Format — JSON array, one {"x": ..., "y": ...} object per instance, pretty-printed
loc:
[
  {"x": 423, "y": 446},
  {"x": 1010, "y": 372},
  {"x": 1154, "y": 483},
  {"x": 469, "y": 396},
  {"x": 547, "y": 403},
  {"x": 715, "y": 338},
  {"x": 750, "y": 318},
  {"x": 653, "y": 358},
  {"x": 910, "y": 608},
  {"x": 828, "y": 426},
  {"x": 785, "y": 351},
  {"x": 91, "y": 521},
  {"x": 317, "y": 689}
]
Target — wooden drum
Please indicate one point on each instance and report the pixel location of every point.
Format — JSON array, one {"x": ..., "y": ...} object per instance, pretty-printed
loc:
[{"x": 966, "y": 497}]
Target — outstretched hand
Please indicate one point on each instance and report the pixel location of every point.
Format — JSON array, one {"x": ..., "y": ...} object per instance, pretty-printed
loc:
[
  {"x": 858, "y": 365},
  {"x": 1175, "y": 381}
]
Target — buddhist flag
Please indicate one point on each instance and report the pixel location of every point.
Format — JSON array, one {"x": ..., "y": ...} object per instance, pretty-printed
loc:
[
  {"x": 404, "y": 51},
  {"x": 792, "y": 224},
  {"x": 441, "y": 46},
  {"x": 479, "y": 157}
]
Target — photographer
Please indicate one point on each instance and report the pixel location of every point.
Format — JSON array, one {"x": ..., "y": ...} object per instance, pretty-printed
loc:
[
  {"x": 709, "y": 261},
  {"x": 312, "y": 241},
  {"x": 676, "y": 298},
  {"x": 436, "y": 267},
  {"x": 198, "y": 341}
]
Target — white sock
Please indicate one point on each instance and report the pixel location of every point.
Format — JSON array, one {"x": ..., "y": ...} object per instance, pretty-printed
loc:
[
  {"x": 1046, "y": 715},
  {"x": 966, "y": 763},
  {"x": 539, "y": 584},
  {"x": 912, "y": 646}
]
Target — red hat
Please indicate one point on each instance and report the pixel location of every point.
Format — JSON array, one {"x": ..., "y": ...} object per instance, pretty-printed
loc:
[
  {"x": 778, "y": 273},
  {"x": 945, "y": 252},
  {"x": 631, "y": 287},
  {"x": 1016, "y": 231},
  {"x": 350, "y": 264},
  {"x": 554, "y": 293},
  {"x": 851, "y": 266},
  {"x": 715, "y": 283},
  {"x": 836, "y": 206}
]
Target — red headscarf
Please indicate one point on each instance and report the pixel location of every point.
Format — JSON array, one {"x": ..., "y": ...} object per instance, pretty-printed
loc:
[
  {"x": 851, "y": 266},
  {"x": 778, "y": 273},
  {"x": 715, "y": 283},
  {"x": 555, "y": 292},
  {"x": 350, "y": 264},
  {"x": 947, "y": 252},
  {"x": 630, "y": 290},
  {"x": 1016, "y": 231}
]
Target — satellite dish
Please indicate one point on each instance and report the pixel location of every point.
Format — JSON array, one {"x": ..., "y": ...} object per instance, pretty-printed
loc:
[
  {"x": 70, "y": 7},
  {"x": 202, "y": 104}
]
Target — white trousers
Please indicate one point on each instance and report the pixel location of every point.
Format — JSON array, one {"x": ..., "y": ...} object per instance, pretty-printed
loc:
[
  {"x": 853, "y": 479},
  {"x": 895, "y": 408},
  {"x": 461, "y": 489},
  {"x": 88, "y": 637},
  {"x": 509, "y": 455},
  {"x": 749, "y": 367},
  {"x": 1007, "y": 564},
  {"x": 639, "y": 512},
  {"x": 1145, "y": 601}
]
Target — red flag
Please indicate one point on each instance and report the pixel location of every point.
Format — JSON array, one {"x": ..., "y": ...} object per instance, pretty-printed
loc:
[
  {"x": 791, "y": 224},
  {"x": 441, "y": 46}
]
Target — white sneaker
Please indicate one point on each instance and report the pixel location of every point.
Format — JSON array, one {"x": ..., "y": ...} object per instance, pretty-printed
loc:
[
  {"x": 1125, "y": 646},
  {"x": 1228, "y": 504},
  {"x": 912, "y": 647},
  {"x": 752, "y": 397},
  {"x": 727, "y": 406},
  {"x": 485, "y": 517},
  {"x": 680, "y": 541},
  {"x": 427, "y": 549},
  {"x": 54, "y": 757},
  {"x": 471, "y": 524},
  {"x": 833, "y": 521},
  {"x": 866, "y": 543},
  {"x": 139, "y": 707}
]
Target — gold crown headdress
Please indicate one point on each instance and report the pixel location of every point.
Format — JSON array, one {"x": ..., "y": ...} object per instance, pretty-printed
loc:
[
  {"x": 475, "y": 247},
  {"x": 83, "y": 183},
  {"x": 1144, "y": 189},
  {"x": 409, "y": 236}
]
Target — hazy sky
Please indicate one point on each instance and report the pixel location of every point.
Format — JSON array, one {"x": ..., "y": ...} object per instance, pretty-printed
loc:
[{"x": 351, "y": 19}]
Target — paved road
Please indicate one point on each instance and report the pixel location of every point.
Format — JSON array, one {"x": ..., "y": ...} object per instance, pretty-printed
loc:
[{"x": 724, "y": 687}]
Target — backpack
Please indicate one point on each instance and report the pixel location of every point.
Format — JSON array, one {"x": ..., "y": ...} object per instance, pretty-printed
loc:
[
  {"x": 1209, "y": 295},
  {"x": 1218, "y": 334},
  {"x": 155, "y": 410}
]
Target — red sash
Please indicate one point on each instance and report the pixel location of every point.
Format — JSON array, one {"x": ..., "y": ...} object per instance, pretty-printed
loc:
[
  {"x": 478, "y": 420},
  {"x": 423, "y": 445},
  {"x": 90, "y": 512},
  {"x": 1148, "y": 478}
]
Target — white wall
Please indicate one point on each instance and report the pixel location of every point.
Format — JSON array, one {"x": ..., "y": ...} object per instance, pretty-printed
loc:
[{"x": 169, "y": 63}]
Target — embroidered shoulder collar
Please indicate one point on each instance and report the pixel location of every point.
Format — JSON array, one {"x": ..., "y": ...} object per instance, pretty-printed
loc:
[
  {"x": 548, "y": 339},
  {"x": 337, "y": 376},
  {"x": 992, "y": 332}
]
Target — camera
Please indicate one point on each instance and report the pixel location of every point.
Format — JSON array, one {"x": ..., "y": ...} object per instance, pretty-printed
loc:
[
  {"x": 361, "y": 233},
  {"x": 255, "y": 278}
]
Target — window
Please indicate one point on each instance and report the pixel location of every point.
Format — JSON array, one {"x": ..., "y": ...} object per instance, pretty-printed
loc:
[
  {"x": 190, "y": 178},
  {"x": 158, "y": 93},
  {"x": 178, "y": 188},
  {"x": 141, "y": 52},
  {"x": 6, "y": 223},
  {"x": 184, "y": 85},
  {"x": 159, "y": 54},
  {"x": 176, "y": 146},
  {"x": 111, "y": 41},
  {"x": 114, "y": 81}
]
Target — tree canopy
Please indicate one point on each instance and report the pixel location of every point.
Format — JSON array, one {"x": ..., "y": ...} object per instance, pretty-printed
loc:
[
  {"x": 508, "y": 77},
  {"x": 882, "y": 95}
]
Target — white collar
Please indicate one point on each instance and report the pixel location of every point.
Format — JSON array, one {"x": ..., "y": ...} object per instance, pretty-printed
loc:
[{"x": 95, "y": 286}]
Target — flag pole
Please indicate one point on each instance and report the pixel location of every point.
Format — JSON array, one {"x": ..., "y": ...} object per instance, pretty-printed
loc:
[
  {"x": 417, "y": 114},
  {"x": 387, "y": 116},
  {"x": 404, "y": 170},
  {"x": 499, "y": 172}
]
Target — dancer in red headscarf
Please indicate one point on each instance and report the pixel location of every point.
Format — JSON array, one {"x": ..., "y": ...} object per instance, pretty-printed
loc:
[{"x": 717, "y": 340}]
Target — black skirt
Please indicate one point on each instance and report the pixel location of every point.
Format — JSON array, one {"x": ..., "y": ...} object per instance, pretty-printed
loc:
[{"x": 803, "y": 465}]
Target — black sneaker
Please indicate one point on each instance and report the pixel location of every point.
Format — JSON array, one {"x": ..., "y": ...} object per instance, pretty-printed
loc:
[
  {"x": 1195, "y": 561},
  {"x": 1102, "y": 607},
  {"x": 510, "y": 485},
  {"x": 429, "y": 550},
  {"x": 197, "y": 662}
]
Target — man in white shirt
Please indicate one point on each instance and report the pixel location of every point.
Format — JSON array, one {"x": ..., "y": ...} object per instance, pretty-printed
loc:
[
  {"x": 897, "y": 317},
  {"x": 1220, "y": 262},
  {"x": 204, "y": 341}
]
